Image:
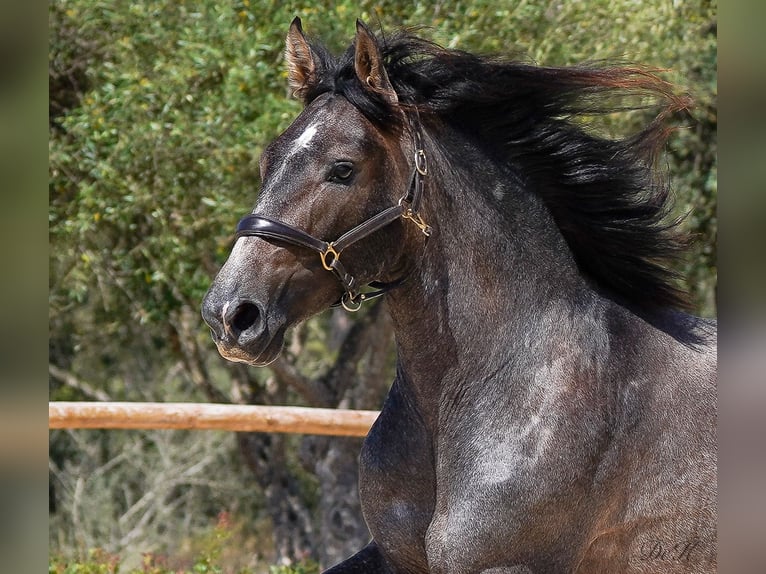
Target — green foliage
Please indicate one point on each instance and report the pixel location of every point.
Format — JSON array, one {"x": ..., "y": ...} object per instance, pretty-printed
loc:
[
  {"x": 97, "y": 562},
  {"x": 308, "y": 567},
  {"x": 149, "y": 158},
  {"x": 208, "y": 560},
  {"x": 101, "y": 562},
  {"x": 152, "y": 167}
]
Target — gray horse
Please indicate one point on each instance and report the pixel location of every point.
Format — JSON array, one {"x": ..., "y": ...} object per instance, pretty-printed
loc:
[{"x": 553, "y": 410}]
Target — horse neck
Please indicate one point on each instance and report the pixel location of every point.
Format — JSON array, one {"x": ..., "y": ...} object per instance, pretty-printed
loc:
[{"x": 488, "y": 283}]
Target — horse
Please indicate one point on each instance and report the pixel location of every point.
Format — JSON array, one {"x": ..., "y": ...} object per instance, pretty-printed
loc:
[{"x": 554, "y": 403}]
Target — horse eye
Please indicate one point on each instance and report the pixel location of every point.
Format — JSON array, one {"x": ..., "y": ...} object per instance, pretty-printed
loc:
[{"x": 341, "y": 172}]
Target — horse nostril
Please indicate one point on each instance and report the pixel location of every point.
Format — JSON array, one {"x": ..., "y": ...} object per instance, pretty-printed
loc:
[{"x": 241, "y": 317}]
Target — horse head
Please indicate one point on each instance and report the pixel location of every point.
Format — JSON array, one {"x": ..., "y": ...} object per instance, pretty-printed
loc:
[{"x": 336, "y": 186}]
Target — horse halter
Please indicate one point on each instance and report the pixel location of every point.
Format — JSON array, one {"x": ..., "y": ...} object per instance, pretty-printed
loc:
[{"x": 267, "y": 228}]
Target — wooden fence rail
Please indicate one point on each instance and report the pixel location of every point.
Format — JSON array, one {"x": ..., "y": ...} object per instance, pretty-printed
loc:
[{"x": 205, "y": 416}]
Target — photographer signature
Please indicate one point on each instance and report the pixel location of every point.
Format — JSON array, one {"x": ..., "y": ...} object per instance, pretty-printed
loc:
[{"x": 681, "y": 551}]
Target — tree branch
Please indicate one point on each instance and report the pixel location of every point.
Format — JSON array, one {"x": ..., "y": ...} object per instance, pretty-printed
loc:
[
  {"x": 73, "y": 382},
  {"x": 315, "y": 392},
  {"x": 192, "y": 356}
]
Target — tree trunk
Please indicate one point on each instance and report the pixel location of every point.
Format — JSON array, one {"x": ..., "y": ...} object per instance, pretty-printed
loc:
[
  {"x": 265, "y": 455},
  {"x": 342, "y": 530}
]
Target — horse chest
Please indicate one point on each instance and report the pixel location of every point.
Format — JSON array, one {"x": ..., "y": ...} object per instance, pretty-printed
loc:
[{"x": 423, "y": 527}]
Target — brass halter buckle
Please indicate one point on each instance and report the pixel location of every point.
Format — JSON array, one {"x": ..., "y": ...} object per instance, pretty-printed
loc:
[
  {"x": 329, "y": 251},
  {"x": 417, "y": 220},
  {"x": 407, "y": 213}
]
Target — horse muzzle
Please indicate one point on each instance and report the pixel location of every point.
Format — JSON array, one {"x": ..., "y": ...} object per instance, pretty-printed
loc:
[{"x": 241, "y": 331}]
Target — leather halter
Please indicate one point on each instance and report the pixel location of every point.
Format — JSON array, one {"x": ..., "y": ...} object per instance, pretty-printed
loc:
[{"x": 268, "y": 228}]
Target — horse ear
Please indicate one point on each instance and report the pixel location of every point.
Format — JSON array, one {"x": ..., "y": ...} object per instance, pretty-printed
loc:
[
  {"x": 368, "y": 63},
  {"x": 301, "y": 63}
]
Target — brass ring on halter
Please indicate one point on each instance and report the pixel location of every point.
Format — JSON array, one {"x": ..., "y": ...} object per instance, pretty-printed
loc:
[{"x": 350, "y": 303}]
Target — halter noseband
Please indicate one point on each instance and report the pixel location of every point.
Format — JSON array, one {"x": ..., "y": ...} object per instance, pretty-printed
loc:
[{"x": 267, "y": 228}]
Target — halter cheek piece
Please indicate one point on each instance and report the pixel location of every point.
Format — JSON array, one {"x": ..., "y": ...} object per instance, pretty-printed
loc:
[{"x": 267, "y": 228}]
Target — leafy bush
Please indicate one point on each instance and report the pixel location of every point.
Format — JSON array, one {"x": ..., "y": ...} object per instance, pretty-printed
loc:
[
  {"x": 100, "y": 562},
  {"x": 151, "y": 168},
  {"x": 207, "y": 561}
]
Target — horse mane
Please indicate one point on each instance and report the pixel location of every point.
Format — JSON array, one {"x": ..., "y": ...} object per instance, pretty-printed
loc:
[{"x": 604, "y": 194}]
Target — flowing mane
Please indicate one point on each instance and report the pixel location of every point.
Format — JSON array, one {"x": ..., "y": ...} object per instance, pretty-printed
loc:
[{"x": 604, "y": 194}]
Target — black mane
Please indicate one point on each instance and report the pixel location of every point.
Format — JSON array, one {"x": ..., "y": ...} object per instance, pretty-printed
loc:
[{"x": 603, "y": 193}]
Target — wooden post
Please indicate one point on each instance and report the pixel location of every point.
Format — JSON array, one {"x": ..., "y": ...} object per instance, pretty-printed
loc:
[{"x": 206, "y": 416}]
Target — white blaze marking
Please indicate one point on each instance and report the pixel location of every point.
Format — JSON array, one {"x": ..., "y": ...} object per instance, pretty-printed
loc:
[
  {"x": 305, "y": 138},
  {"x": 299, "y": 144}
]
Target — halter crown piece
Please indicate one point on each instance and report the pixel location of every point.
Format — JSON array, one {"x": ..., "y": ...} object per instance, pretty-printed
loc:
[{"x": 267, "y": 228}]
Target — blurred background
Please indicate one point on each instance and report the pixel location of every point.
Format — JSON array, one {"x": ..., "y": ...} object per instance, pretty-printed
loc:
[{"x": 158, "y": 112}]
